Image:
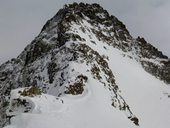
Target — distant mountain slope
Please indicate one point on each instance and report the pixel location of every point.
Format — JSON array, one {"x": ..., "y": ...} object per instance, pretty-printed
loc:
[{"x": 86, "y": 64}]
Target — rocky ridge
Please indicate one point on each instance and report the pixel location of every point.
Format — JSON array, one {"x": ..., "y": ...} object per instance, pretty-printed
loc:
[{"x": 73, "y": 37}]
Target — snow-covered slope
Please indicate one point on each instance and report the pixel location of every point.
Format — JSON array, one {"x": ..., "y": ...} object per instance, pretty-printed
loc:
[
  {"x": 88, "y": 110},
  {"x": 85, "y": 70}
]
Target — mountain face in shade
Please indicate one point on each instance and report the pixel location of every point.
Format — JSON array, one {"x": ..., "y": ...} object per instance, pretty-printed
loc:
[{"x": 85, "y": 70}]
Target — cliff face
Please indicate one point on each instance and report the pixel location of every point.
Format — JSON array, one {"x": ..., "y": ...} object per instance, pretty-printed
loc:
[{"x": 74, "y": 51}]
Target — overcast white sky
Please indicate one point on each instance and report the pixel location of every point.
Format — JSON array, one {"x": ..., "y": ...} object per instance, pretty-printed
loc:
[{"x": 22, "y": 20}]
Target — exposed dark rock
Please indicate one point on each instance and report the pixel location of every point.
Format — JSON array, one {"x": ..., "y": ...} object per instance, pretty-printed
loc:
[
  {"x": 52, "y": 51},
  {"x": 161, "y": 70}
]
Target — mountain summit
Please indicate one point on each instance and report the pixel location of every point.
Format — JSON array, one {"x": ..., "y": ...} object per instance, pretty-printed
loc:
[{"x": 85, "y": 70}]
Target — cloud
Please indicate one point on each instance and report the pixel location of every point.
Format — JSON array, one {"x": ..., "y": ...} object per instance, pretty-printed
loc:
[
  {"x": 22, "y": 20},
  {"x": 152, "y": 22}
]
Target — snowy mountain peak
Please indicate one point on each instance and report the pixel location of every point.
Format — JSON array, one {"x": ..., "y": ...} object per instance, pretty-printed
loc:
[{"x": 84, "y": 61}]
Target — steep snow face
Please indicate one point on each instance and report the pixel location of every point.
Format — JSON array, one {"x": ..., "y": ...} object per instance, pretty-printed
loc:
[
  {"x": 146, "y": 95},
  {"x": 91, "y": 74}
]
